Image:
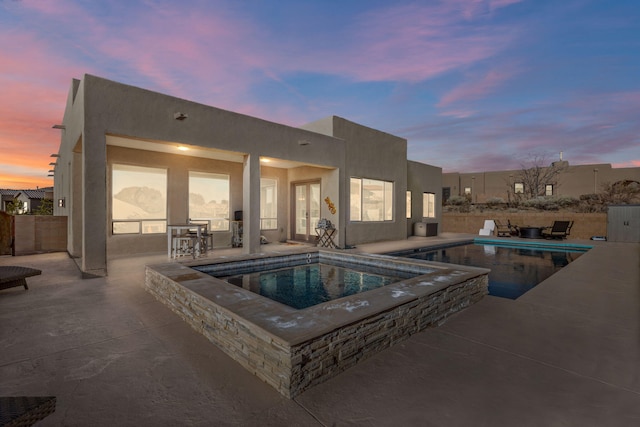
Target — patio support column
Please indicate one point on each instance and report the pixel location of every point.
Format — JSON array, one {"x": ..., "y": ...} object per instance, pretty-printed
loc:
[
  {"x": 94, "y": 204},
  {"x": 251, "y": 204}
]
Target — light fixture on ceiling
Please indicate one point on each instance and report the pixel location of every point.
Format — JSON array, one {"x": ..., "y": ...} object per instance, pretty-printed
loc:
[
  {"x": 183, "y": 148},
  {"x": 59, "y": 127},
  {"x": 180, "y": 116},
  {"x": 55, "y": 155},
  {"x": 263, "y": 160}
]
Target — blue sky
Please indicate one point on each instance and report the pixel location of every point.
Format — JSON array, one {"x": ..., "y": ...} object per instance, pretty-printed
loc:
[{"x": 472, "y": 85}]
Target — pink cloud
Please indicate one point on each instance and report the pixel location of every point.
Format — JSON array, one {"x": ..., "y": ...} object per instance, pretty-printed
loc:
[
  {"x": 416, "y": 42},
  {"x": 473, "y": 89}
]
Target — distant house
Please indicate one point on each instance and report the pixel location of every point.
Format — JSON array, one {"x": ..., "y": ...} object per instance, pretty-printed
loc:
[
  {"x": 30, "y": 200},
  {"x": 6, "y": 197},
  {"x": 572, "y": 181},
  {"x": 132, "y": 162}
]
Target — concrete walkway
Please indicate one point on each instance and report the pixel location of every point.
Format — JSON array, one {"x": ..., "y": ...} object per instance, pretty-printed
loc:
[{"x": 567, "y": 353}]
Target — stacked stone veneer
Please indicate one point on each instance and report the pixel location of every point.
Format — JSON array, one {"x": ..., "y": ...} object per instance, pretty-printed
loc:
[{"x": 293, "y": 350}]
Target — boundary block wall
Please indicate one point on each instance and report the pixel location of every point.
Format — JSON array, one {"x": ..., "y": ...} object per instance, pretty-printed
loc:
[
  {"x": 40, "y": 233},
  {"x": 584, "y": 227}
]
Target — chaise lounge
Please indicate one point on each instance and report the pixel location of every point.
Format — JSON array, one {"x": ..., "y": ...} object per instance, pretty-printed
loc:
[
  {"x": 559, "y": 230},
  {"x": 11, "y": 275},
  {"x": 505, "y": 230}
]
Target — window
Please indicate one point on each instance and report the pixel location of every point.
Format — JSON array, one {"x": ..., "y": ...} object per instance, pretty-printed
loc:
[
  {"x": 428, "y": 205},
  {"x": 138, "y": 200},
  {"x": 408, "y": 204},
  {"x": 518, "y": 188},
  {"x": 209, "y": 199},
  {"x": 268, "y": 204},
  {"x": 467, "y": 190},
  {"x": 371, "y": 200},
  {"x": 548, "y": 190}
]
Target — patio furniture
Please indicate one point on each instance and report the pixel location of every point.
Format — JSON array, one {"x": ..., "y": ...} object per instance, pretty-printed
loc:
[
  {"x": 487, "y": 230},
  {"x": 559, "y": 230},
  {"x": 182, "y": 240},
  {"x": 530, "y": 232},
  {"x": 11, "y": 275},
  {"x": 507, "y": 230},
  {"x": 25, "y": 410},
  {"x": 206, "y": 238}
]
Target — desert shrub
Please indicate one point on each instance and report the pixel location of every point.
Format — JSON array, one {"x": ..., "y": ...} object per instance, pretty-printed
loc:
[
  {"x": 458, "y": 201},
  {"x": 495, "y": 202},
  {"x": 542, "y": 203}
]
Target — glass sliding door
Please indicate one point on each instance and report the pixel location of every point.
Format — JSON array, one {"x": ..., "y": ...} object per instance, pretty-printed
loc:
[{"x": 306, "y": 210}]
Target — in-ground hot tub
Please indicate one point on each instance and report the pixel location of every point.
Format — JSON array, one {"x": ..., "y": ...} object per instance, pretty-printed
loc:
[{"x": 293, "y": 350}]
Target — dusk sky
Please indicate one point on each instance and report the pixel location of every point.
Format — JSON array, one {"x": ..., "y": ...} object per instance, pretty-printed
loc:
[{"x": 473, "y": 85}]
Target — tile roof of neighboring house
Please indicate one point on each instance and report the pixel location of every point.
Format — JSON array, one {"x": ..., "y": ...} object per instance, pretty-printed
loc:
[
  {"x": 5, "y": 192},
  {"x": 33, "y": 194}
]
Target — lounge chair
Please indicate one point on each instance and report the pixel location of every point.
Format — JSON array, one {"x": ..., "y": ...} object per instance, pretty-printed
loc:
[
  {"x": 559, "y": 230},
  {"x": 505, "y": 230},
  {"x": 488, "y": 228},
  {"x": 11, "y": 275}
]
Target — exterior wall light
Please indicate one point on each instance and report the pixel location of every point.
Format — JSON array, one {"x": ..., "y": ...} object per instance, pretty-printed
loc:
[
  {"x": 180, "y": 116},
  {"x": 61, "y": 203},
  {"x": 303, "y": 142},
  {"x": 59, "y": 127}
]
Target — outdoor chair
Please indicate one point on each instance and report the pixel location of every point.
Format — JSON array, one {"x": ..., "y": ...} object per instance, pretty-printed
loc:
[
  {"x": 488, "y": 228},
  {"x": 11, "y": 275},
  {"x": 559, "y": 230},
  {"x": 206, "y": 235},
  {"x": 507, "y": 230}
]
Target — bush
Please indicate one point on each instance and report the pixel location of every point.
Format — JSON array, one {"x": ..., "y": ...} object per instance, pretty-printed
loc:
[
  {"x": 495, "y": 202},
  {"x": 458, "y": 201}
]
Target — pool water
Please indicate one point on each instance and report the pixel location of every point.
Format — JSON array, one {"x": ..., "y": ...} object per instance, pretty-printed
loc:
[
  {"x": 306, "y": 285},
  {"x": 514, "y": 269}
]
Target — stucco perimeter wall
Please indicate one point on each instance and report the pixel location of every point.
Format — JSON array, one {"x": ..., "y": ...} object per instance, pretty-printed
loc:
[
  {"x": 40, "y": 233},
  {"x": 585, "y": 225}
]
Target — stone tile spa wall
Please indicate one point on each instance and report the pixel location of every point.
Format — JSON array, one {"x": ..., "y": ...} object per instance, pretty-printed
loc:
[{"x": 293, "y": 350}]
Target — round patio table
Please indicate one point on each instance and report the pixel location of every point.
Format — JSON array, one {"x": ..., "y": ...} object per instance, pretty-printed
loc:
[{"x": 529, "y": 232}]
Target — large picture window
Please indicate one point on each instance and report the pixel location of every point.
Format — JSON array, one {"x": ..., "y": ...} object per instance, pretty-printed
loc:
[
  {"x": 138, "y": 199},
  {"x": 371, "y": 200},
  {"x": 209, "y": 199},
  {"x": 428, "y": 205},
  {"x": 268, "y": 204}
]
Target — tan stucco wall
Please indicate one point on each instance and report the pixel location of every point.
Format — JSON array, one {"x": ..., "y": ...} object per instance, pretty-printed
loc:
[
  {"x": 585, "y": 225},
  {"x": 40, "y": 233},
  {"x": 423, "y": 179}
]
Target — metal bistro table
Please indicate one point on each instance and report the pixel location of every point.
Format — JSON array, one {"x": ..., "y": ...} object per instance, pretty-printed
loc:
[
  {"x": 529, "y": 232},
  {"x": 325, "y": 237},
  {"x": 178, "y": 236}
]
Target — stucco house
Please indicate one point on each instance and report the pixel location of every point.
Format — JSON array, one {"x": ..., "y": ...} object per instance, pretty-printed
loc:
[{"x": 132, "y": 161}]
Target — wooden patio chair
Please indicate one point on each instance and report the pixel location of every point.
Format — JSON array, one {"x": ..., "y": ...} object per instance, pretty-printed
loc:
[{"x": 507, "y": 230}]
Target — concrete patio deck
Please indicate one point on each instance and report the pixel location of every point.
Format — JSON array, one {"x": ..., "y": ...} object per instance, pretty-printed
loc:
[{"x": 567, "y": 353}]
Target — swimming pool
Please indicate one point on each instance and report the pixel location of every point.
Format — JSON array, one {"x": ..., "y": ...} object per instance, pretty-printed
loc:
[
  {"x": 309, "y": 284},
  {"x": 515, "y": 269}
]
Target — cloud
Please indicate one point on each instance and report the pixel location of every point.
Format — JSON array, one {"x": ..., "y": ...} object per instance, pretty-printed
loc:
[
  {"x": 415, "y": 42},
  {"x": 475, "y": 88},
  {"x": 587, "y": 128}
]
